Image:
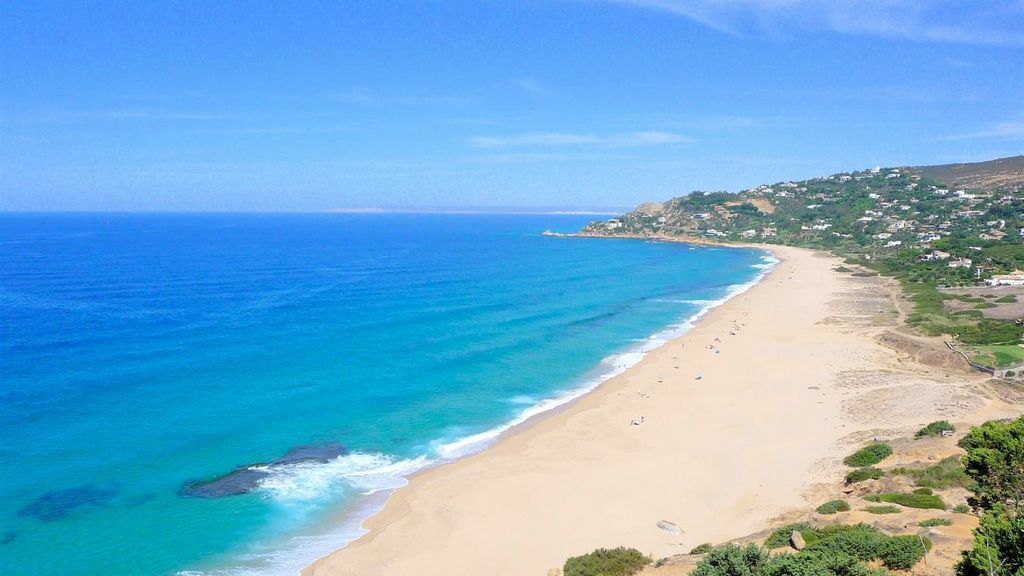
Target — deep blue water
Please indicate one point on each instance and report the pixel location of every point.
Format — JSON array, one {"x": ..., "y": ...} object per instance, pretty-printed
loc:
[{"x": 141, "y": 352}]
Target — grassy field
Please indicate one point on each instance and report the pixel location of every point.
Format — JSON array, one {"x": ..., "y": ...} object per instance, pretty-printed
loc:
[{"x": 996, "y": 356}]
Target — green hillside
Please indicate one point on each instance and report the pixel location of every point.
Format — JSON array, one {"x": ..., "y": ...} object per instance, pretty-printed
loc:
[{"x": 904, "y": 222}]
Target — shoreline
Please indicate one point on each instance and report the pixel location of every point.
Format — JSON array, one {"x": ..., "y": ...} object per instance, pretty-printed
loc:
[
  {"x": 517, "y": 426},
  {"x": 353, "y": 519},
  {"x": 442, "y": 516}
]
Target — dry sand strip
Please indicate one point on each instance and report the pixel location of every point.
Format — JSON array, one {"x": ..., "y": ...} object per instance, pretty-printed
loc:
[{"x": 713, "y": 458}]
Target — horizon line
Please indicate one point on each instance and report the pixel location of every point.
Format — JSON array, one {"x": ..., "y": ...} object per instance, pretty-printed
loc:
[{"x": 354, "y": 210}]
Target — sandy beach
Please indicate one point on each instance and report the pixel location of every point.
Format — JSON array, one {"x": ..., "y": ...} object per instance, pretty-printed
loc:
[{"x": 709, "y": 438}]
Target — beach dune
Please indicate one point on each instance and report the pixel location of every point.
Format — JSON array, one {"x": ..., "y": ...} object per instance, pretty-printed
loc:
[{"x": 708, "y": 438}]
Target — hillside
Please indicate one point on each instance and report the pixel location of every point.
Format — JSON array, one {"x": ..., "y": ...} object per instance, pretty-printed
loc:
[
  {"x": 870, "y": 213},
  {"x": 992, "y": 175},
  {"x": 931, "y": 227}
]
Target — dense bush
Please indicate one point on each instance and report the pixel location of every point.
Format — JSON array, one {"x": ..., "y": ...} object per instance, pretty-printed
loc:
[
  {"x": 833, "y": 506},
  {"x": 604, "y": 562},
  {"x": 819, "y": 563},
  {"x": 780, "y": 537},
  {"x": 989, "y": 331},
  {"x": 925, "y": 491},
  {"x": 862, "y": 474},
  {"x": 831, "y": 551},
  {"x": 859, "y": 540},
  {"x": 935, "y": 428},
  {"x": 884, "y": 509},
  {"x": 867, "y": 543},
  {"x": 995, "y": 460},
  {"x": 902, "y": 552},
  {"x": 935, "y": 522},
  {"x": 868, "y": 455},
  {"x": 731, "y": 560},
  {"x": 998, "y": 545},
  {"x": 909, "y": 500},
  {"x": 946, "y": 473},
  {"x": 702, "y": 548}
]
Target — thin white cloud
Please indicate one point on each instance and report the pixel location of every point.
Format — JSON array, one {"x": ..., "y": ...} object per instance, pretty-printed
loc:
[
  {"x": 363, "y": 96},
  {"x": 531, "y": 87},
  {"x": 1012, "y": 130},
  {"x": 959, "y": 63},
  {"x": 555, "y": 139},
  {"x": 952, "y": 21}
]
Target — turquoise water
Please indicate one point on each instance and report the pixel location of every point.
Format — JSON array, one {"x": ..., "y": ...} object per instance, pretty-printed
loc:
[{"x": 142, "y": 352}]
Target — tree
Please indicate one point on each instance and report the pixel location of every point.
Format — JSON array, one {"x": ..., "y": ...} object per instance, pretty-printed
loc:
[{"x": 995, "y": 460}]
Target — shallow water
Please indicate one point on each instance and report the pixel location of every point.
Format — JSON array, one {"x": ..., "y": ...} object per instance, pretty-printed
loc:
[{"x": 140, "y": 353}]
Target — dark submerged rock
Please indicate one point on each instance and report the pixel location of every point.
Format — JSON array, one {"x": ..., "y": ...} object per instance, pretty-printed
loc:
[
  {"x": 59, "y": 504},
  {"x": 246, "y": 478}
]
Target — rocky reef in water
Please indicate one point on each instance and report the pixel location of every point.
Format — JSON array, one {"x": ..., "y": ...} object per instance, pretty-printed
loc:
[{"x": 246, "y": 478}]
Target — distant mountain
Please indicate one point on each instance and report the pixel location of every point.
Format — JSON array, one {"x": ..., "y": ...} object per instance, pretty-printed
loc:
[
  {"x": 990, "y": 175},
  {"x": 930, "y": 227},
  {"x": 949, "y": 209}
]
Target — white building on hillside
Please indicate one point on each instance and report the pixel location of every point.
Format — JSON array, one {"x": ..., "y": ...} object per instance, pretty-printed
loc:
[{"x": 1015, "y": 278}]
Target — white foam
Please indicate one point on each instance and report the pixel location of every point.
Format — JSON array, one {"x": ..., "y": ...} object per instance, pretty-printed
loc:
[
  {"x": 365, "y": 472},
  {"x": 522, "y": 399},
  {"x": 377, "y": 475}
]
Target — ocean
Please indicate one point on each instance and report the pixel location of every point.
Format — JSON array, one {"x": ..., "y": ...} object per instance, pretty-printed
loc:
[{"x": 233, "y": 393}]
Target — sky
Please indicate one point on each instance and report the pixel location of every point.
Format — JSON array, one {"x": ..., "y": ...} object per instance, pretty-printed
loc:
[{"x": 539, "y": 104}]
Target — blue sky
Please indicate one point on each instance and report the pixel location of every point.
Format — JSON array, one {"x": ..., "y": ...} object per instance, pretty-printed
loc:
[{"x": 528, "y": 103}]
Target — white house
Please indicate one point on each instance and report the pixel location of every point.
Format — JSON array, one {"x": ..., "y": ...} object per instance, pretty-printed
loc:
[
  {"x": 961, "y": 263},
  {"x": 936, "y": 255},
  {"x": 1015, "y": 278}
]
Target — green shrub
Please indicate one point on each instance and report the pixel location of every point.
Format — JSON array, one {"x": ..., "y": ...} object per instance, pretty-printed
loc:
[
  {"x": 604, "y": 562},
  {"x": 859, "y": 540},
  {"x": 780, "y": 537},
  {"x": 935, "y": 428},
  {"x": 1008, "y": 299},
  {"x": 868, "y": 455},
  {"x": 909, "y": 500},
  {"x": 935, "y": 522},
  {"x": 998, "y": 545},
  {"x": 865, "y": 473},
  {"x": 995, "y": 458},
  {"x": 819, "y": 563},
  {"x": 962, "y": 509},
  {"x": 835, "y": 551},
  {"x": 702, "y": 548},
  {"x": 925, "y": 491},
  {"x": 833, "y": 506},
  {"x": 902, "y": 552},
  {"x": 884, "y": 509},
  {"x": 868, "y": 543},
  {"x": 946, "y": 473},
  {"x": 731, "y": 560}
]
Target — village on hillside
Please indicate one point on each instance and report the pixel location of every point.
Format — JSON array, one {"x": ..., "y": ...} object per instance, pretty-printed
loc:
[{"x": 957, "y": 245}]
